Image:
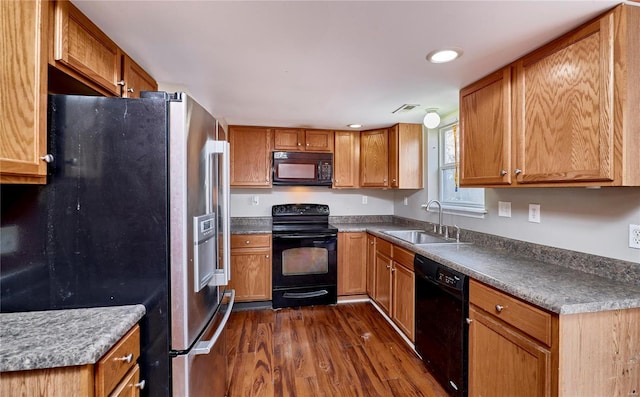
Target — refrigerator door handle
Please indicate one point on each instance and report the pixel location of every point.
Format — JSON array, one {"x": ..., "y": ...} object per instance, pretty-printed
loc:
[
  {"x": 205, "y": 346},
  {"x": 221, "y": 148}
]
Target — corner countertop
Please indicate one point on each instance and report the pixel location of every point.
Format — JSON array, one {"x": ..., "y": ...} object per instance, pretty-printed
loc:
[
  {"x": 556, "y": 288},
  {"x": 61, "y": 338}
]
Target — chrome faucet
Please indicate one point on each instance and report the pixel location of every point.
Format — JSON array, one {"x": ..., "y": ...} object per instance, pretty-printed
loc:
[{"x": 426, "y": 208}]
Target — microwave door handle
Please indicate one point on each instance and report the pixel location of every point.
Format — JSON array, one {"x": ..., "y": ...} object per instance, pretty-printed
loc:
[{"x": 205, "y": 346}]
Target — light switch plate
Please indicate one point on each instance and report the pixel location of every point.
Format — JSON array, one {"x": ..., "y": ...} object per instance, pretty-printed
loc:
[
  {"x": 534, "y": 213},
  {"x": 504, "y": 209},
  {"x": 365, "y": 199}
]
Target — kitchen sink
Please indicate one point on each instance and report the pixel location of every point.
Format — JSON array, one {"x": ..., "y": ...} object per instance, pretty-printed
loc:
[{"x": 420, "y": 237}]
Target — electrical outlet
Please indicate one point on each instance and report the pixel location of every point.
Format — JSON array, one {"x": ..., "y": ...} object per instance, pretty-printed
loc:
[
  {"x": 634, "y": 236},
  {"x": 364, "y": 199},
  {"x": 405, "y": 201},
  {"x": 534, "y": 213},
  {"x": 255, "y": 200},
  {"x": 504, "y": 209}
]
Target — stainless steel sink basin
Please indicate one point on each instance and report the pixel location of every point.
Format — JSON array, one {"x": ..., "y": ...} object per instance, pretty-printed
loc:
[{"x": 420, "y": 237}]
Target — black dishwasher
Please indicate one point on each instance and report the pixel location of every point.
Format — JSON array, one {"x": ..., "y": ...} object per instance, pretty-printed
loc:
[{"x": 442, "y": 307}]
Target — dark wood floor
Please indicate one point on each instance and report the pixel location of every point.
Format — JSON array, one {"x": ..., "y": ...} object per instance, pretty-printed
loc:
[{"x": 342, "y": 350}]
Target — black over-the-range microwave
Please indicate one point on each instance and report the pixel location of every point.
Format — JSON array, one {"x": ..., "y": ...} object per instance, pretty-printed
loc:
[{"x": 302, "y": 169}]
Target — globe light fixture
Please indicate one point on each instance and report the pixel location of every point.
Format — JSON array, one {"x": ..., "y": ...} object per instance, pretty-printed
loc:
[{"x": 431, "y": 119}]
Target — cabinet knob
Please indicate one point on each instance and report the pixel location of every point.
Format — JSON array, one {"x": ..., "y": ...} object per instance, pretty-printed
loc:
[
  {"x": 130, "y": 89},
  {"x": 393, "y": 180},
  {"x": 266, "y": 256},
  {"x": 499, "y": 308},
  {"x": 384, "y": 180},
  {"x": 469, "y": 321},
  {"x": 126, "y": 359},
  {"x": 388, "y": 266},
  {"x": 307, "y": 144},
  {"x": 121, "y": 82},
  {"x": 140, "y": 385},
  {"x": 518, "y": 171},
  {"x": 503, "y": 172},
  {"x": 299, "y": 144},
  {"x": 47, "y": 158}
]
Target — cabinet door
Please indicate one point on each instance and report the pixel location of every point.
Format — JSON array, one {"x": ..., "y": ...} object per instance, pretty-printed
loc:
[
  {"x": 404, "y": 299},
  {"x": 288, "y": 139},
  {"x": 409, "y": 158},
  {"x": 83, "y": 47},
  {"x": 23, "y": 84},
  {"x": 250, "y": 156},
  {"x": 318, "y": 140},
  {"x": 382, "y": 297},
  {"x": 130, "y": 385},
  {"x": 374, "y": 158},
  {"x": 346, "y": 159},
  {"x": 564, "y": 117},
  {"x": 251, "y": 274},
  {"x": 485, "y": 131},
  {"x": 352, "y": 274},
  {"x": 135, "y": 79},
  {"x": 371, "y": 265},
  {"x": 504, "y": 362},
  {"x": 394, "y": 167}
]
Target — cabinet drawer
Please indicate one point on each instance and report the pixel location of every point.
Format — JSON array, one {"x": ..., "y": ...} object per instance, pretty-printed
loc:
[
  {"x": 114, "y": 365},
  {"x": 529, "y": 319},
  {"x": 130, "y": 385},
  {"x": 384, "y": 247},
  {"x": 250, "y": 240},
  {"x": 403, "y": 257}
]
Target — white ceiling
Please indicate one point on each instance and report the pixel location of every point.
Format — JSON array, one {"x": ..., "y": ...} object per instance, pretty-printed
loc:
[{"x": 326, "y": 64}]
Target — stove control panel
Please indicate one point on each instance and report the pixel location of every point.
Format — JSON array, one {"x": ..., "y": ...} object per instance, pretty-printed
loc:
[{"x": 300, "y": 209}]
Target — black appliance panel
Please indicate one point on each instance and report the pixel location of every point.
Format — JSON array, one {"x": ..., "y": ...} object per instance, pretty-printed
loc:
[{"x": 442, "y": 307}]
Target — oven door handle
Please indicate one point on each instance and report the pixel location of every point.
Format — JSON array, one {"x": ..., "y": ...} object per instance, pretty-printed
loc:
[
  {"x": 304, "y": 295},
  {"x": 301, "y": 236}
]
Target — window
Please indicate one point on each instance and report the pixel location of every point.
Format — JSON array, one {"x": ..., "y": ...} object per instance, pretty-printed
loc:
[{"x": 452, "y": 197}]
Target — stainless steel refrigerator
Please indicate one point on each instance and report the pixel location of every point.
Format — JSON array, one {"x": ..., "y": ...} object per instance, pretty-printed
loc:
[{"x": 135, "y": 211}]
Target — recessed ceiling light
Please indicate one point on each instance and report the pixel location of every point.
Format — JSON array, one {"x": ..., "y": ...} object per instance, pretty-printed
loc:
[
  {"x": 444, "y": 55},
  {"x": 354, "y": 125}
]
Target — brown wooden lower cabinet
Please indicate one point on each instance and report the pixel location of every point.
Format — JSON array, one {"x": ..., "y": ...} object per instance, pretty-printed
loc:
[
  {"x": 371, "y": 258},
  {"x": 517, "y": 349},
  {"x": 110, "y": 376},
  {"x": 251, "y": 267},
  {"x": 352, "y": 274}
]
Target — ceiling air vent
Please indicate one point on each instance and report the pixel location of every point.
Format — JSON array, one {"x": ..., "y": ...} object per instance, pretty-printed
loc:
[{"x": 405, "y": 108}]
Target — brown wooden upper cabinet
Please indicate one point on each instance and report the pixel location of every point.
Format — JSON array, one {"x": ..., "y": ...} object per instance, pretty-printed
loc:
[
  {"x": 563, "y": 115},
  {"x": 405, "y": 156},
  {"x": 135, "y": 79},
  {"x": 23, "y": 83},
  {"x": 346, "y": 159},
  {"x": 374, "y": 158},
  {"x": 297, "y": 139},
  {"x": 84, "y": 52},
  {"x": 250, "y": 156}
]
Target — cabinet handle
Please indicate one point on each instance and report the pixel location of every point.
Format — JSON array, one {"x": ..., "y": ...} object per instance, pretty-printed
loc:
[
  {"x": 266, "y": 256},
  {"x": 469, "y": 321},
  {"x": 503, "y": 172},
  {"x": 393, "y": 180},
  {"x": 384, "y": 180},
  {"x": 299, "y": 144},
  {"x": 247, "y": 242},
  {"x": 140, "y": 385},
  {"x": 518, "y": 171},
  {"x": 47, "y": 158},
  {"x": 130, "y": 89},
  {"x": 393, "y": 269},
  {"x": 121, "y": 82},
  {"x": 126, "y": 359},
  {"x": 267, "y": 179},
  {"x": 307, "y": 144},
  {"x": 499, "y": 308},
  {"x": 388, "y": 266}
]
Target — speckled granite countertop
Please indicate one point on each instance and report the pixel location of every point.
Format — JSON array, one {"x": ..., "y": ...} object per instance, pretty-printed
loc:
[
  {"x": 60, "y": 338},
  {"x": 559, "y": 289}
]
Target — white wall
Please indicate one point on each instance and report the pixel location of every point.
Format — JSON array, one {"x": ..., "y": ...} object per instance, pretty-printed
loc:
[{"x": 341, "y": 202}]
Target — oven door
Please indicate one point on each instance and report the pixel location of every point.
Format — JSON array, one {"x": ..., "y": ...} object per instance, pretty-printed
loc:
[{"x": 304, "y": 268}]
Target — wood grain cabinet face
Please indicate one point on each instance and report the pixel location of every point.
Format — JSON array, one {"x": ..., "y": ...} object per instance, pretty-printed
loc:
[
  {"x": 80, "y": 45},
  {"x": 250, "y": 156},
  {"x": 404, "y": 298},
  {"x": 405, "y": 156},
  {"x": 371, "y": 264},
  {"x": 352, "y": 265},
  {"x": 374, "y": 158},
  {"x": 251, "y": 267},
  {"x": 23, "y": 87},
  {"x": 346, "y": 159},
  {"x": 563, "y": 115},
  {"x": 296, "y": 139},
  {"x": 318, "y": 140},
  {"x": 135, "y": 79}
]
